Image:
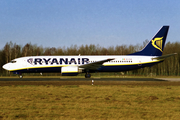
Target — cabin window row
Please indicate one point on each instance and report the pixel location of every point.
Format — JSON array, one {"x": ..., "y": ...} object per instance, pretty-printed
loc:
[
  {"x": 115, "y": 61},
  {"x": 93, "y": 61},
  {"x": 121, "y": 61}
]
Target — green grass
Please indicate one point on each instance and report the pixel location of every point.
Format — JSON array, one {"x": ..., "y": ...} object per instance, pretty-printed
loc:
[{"x": 90, "y": 102}]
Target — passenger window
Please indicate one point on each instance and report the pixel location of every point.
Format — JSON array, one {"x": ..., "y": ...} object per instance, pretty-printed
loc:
[{"x": 13, "y": 61}]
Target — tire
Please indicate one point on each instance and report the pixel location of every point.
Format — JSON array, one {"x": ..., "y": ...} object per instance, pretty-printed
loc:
[{"x": 20, "y": 76}]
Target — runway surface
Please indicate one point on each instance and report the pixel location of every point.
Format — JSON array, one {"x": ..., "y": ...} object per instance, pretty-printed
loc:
[
  {"x": 85, "y": 81},
  {"x": 80, "y": 79}
]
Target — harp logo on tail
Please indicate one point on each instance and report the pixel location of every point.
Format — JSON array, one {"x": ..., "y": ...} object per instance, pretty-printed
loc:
[{"x": 157, "y": 43}]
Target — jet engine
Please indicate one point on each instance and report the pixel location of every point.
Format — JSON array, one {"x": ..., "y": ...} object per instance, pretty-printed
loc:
[{"x": 70, "y": 70}]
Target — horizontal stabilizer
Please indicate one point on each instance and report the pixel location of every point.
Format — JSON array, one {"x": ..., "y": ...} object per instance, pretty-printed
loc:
[{"x": 164, "y": 56}]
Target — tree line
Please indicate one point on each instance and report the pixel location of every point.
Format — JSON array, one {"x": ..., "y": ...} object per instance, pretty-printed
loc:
[{"x": 171, "y": 65}]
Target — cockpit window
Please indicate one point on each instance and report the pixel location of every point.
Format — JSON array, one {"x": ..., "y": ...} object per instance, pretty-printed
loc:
[{"x": 13, "y": 61}]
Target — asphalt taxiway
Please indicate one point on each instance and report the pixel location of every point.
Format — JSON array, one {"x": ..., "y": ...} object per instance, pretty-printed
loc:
[
  {"x": 82, "y": 79},
  {"x": 88, "y": 81}
]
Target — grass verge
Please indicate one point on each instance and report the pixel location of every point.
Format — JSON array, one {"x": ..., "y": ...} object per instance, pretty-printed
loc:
[{"x": 89, "y": 102}]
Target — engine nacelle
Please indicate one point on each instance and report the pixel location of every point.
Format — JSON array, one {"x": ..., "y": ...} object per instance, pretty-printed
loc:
[{"x": 70, "y": 71}]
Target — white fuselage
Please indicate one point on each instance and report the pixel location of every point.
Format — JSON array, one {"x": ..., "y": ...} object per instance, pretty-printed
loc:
[{"x": 33, "y": 63}]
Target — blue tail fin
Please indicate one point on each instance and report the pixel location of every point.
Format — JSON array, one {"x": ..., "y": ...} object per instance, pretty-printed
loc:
[{"x": 156, "y": 45}]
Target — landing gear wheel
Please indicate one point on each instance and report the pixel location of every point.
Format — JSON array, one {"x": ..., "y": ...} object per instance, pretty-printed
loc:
[
  {"x": 87, "y": 75},
  {"x": 20, "y": 76}
]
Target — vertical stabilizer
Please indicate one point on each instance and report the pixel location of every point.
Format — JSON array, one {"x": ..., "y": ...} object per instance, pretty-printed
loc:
[{"x": 156, "y": 45}]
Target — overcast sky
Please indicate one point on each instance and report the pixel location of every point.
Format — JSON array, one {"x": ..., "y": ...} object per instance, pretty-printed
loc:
[{"x": 58, "y": 23}]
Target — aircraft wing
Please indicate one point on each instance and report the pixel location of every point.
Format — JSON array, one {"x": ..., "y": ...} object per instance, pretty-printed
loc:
[
  {"x": 95, "y": 65},
  {"x": 164, "y": 56}
]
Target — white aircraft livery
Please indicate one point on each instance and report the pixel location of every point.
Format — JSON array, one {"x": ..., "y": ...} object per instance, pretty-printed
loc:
[{"x": 73, "y": 65}]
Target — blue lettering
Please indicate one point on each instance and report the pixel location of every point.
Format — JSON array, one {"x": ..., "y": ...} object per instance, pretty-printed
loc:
[
  {"x": 72, "y": 61},
  {"x": 79, "y": 62},
  {"x": 85, "y": 60},
  {"x": 54, "y": 60},
  {"x": 61, "y": 61},
  {"x": 38, "y": 60},
  {"x": 46, "y": 61},
  {"x": 65, "y": 61}
]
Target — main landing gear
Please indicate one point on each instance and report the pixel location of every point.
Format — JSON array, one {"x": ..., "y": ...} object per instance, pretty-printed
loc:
[
  {"x": 87, "y": 75},
  {"x": 21, "y": 76}
]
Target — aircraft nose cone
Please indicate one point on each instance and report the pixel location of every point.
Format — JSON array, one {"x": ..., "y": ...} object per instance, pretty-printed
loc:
[{"x": 6, "y": 66}]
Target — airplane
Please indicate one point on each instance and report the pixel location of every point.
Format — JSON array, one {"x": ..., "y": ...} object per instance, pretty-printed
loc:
[{"x": 73, "y": 65}]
